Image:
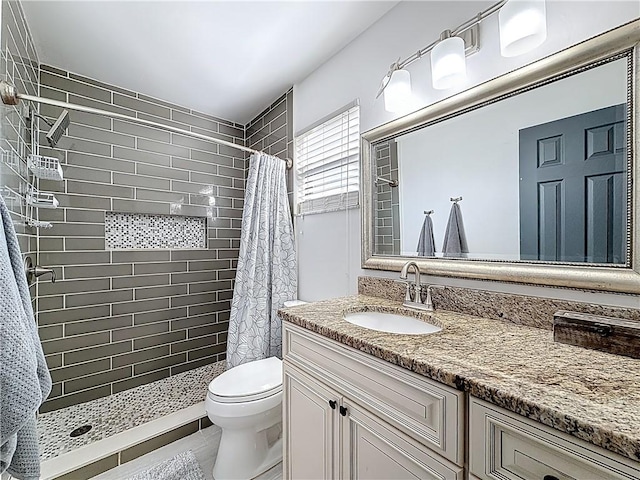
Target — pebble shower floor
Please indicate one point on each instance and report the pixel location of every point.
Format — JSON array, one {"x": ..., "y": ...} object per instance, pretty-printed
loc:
[{"x": 124, "y": 410}]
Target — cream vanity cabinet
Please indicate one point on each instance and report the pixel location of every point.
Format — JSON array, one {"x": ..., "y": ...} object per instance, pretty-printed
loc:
[
  {"x": 350, "y": 415},
  {"x": 506, "y": 446}
]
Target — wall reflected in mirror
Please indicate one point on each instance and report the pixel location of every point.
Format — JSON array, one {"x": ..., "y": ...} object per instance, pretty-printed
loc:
[{"x": 542, "y": 176}]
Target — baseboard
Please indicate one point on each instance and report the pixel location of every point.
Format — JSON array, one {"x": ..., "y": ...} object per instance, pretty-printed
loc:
[{"x": 97, "y": 457}]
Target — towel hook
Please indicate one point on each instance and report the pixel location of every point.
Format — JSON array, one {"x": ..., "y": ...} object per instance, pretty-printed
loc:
[
  {"x": 428, "y": 212},
  {"x": 455, "y": 199}
]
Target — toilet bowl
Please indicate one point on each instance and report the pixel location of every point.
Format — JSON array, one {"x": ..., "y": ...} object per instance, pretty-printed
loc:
[{"x": 246, "y": 403}]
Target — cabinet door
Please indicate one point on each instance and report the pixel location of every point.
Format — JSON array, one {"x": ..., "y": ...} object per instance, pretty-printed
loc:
[
  {"x": 310, "y": 427},
  {"x": 374, "y": 450}
]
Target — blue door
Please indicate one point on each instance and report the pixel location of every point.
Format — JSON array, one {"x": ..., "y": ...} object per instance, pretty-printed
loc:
[{"x": 573, "y": 194}]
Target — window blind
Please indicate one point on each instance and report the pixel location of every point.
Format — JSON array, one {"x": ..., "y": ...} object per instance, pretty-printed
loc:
[{"x": 328, "y": 169}]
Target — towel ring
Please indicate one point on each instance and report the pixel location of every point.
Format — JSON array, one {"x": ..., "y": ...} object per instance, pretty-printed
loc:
[
  {"x": 455, "y": 199},
  {"x": 428, "y": 212}
]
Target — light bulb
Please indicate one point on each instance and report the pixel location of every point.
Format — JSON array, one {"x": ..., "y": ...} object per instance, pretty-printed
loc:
[
  {"x": 448, "y": 63},
  {"x": 397, "y": 94},
  {"x": 523, "y": 26}
]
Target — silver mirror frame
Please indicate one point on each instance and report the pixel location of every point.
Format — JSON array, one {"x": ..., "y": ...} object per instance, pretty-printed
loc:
[{"x": 620, "y": 279}]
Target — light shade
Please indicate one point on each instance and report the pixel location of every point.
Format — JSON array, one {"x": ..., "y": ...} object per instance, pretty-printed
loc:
[
  {"x": 448, "y": 64},
  {"x": 397, "y": 94},
  {"x": 523, "y": 26}
]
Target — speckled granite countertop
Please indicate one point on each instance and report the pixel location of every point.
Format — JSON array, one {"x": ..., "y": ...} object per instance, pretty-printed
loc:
[{"x": 591, "y": 395}]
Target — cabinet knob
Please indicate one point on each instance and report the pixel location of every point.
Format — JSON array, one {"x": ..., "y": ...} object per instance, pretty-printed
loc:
[
  {"x": 550, "y": 477},
  {"x": 343, "y": 411},
  {"x": 332, "y": 404}
]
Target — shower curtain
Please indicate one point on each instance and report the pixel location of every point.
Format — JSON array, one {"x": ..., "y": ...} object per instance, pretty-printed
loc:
[{"x": 266, "y": 276}]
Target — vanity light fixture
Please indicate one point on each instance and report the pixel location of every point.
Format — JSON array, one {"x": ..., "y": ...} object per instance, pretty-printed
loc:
[
  {"x": 448, "y": 62},
  {"x": 523, "y": 27}
]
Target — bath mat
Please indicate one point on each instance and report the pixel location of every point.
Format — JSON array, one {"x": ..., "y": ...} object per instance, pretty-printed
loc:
[{"x": 183, "y": 466}]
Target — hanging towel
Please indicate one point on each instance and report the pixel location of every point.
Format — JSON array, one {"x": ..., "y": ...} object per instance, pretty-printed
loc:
[
  {"x": 455, "y": 240},
  {"x": 426, "y": 243},
  {"x": 24, "y": 378}
]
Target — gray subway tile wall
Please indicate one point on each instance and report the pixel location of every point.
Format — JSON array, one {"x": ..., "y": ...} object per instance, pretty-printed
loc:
[
  {"x": 117, "y": 319},
  {"x": 272, "y": 132},
  {"x": 19, "y": 66},
  {"x": 387, "y": 215}
]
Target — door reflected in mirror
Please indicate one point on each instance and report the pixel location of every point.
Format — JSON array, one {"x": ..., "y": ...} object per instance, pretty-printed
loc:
[{"x": 541, "y": 176}]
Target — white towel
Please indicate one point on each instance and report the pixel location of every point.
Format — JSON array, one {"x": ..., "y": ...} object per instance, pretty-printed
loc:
[
  {"x": 24, "y": 378},
  {"x": 455, "y": 240},
  {"x": 426, "y": 243}
]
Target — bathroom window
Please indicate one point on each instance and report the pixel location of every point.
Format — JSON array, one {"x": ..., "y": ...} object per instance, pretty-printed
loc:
[{"x": 327, "y": 158}]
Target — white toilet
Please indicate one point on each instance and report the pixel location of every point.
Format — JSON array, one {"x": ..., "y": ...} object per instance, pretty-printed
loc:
[{"x": 245, "y": 402}]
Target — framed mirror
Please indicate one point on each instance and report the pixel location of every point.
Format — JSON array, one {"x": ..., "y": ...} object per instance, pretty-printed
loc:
[{"x": 531, "y": 177}]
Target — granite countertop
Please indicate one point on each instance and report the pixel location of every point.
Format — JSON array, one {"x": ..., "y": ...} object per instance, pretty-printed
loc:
[{"x": 591, "y": 395}]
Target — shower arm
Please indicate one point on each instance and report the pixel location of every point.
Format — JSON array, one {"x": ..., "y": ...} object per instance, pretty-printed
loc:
[
  {"x": 10, "y": 96},
  {"x": 37, "y": 115}
]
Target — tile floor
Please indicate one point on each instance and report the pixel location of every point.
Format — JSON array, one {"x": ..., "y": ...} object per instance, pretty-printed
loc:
[
  {"x": 204, "y": 445},
  {"x": 121, "y": 411}
]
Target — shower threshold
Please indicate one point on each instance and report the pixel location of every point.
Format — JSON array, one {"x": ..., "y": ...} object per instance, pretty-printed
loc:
[{"x": 124, "y": 425}]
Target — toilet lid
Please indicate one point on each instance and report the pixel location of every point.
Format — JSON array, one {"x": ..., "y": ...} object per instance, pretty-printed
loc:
[{"x": 249, "y": 381}]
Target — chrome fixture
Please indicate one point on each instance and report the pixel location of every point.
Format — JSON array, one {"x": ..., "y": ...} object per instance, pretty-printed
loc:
[
  {"x": 391, "y": 183},
  {"x": 523, "y": 27},
  {"x": 32, "y": 272},
  {"x": 58, "y": 128},
  {"x": 414, "y": 301},
  {"x": 10, "y": 96},
  {"x": 428, "y": 303}
]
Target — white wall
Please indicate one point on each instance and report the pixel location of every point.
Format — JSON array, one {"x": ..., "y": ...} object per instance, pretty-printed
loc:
[
  {"x": 356, "y": 72},
  {"x": 475, "y": 156}
]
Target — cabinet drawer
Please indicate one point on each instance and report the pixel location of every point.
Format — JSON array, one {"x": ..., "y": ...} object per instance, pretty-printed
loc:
[
  {"x": 504, "y": 445},
  {"x": 430, "y": 412}
]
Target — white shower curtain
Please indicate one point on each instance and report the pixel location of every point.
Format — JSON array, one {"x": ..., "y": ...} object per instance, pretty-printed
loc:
[{"x": 266, "y": 274}]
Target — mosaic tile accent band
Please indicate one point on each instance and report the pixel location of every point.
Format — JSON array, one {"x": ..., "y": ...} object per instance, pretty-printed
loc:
[{"x": 128, "y": 231}]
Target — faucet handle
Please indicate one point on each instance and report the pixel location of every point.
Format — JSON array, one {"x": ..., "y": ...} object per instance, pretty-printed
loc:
[
  {"x": 407, "y": 286},
  {"x": 428, "y": 302},
  {"x": 407, "y": 291},
  {"x": 407, "y": 295}
]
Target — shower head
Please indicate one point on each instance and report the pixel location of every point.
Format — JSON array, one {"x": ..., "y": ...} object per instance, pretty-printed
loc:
[{"x": 58, "y": 128}]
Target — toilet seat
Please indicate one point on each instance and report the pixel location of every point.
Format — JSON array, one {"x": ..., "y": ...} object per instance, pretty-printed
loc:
[{"x": 248, "y": 382}]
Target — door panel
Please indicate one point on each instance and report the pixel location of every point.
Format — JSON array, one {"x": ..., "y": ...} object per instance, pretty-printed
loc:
[
  {"x": 605, "y": 213},
  {"x": 310, "y": 427},
  {"x": 573, "y": 188},
  {"x": 374, "y": 450},
  {"x": 550, "y": 220}
]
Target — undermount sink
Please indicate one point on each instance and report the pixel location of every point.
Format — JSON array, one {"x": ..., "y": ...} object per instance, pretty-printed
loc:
[{"x": 391, "y": 322}]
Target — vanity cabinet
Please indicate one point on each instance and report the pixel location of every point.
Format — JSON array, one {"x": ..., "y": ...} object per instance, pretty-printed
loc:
[
  {"x": 350, "y": 415},
  {"x": 506, "y": 446}
]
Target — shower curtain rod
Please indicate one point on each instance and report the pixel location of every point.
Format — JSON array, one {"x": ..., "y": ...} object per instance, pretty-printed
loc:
[{"x": 10, "y": 96}]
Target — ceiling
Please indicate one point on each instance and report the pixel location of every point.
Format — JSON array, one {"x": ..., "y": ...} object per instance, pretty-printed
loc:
[{"x": 230, "y": 59}]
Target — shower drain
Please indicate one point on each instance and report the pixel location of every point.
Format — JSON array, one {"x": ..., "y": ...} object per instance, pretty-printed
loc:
[{"x": 80, "y": 431}]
